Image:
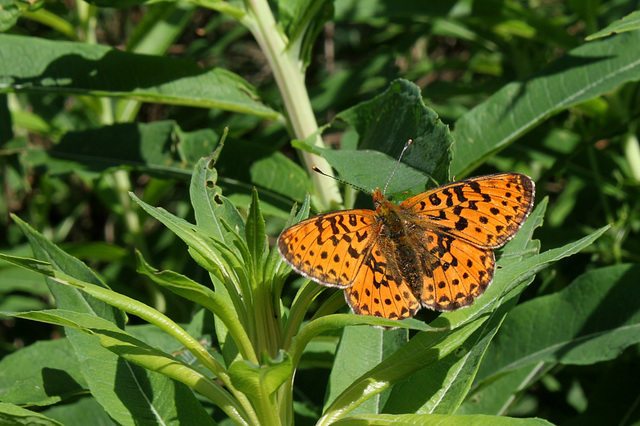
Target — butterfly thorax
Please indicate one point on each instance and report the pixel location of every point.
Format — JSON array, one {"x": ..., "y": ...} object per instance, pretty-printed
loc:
[{"x": 390, "y": 214}]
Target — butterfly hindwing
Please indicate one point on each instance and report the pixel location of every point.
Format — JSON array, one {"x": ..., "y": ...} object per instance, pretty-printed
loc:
[
  {"x": 486, "y": 211},
  {"x": 379, "y": 288},
  {"x": 330, "y": 248},
  {"x": 455, "y": 272}
]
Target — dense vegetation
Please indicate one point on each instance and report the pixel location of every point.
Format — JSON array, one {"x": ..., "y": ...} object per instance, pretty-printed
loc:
[{"x": 216, "y": 111}]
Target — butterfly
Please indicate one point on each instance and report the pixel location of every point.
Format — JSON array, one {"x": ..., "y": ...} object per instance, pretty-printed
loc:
[{"x": 432, "y": 250}]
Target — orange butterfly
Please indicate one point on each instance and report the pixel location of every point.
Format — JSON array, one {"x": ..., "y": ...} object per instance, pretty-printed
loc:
[{"x": 433, "y": 250}]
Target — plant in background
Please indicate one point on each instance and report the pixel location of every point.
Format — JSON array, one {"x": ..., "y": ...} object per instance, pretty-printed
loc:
[{"x": 248, "y": 335}]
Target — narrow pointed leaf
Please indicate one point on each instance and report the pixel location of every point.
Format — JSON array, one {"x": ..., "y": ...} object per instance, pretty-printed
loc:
[{"x": 585, "y": 72}]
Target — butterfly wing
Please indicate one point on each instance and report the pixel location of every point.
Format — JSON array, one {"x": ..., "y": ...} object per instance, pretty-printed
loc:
[
  {"x": 330, "y": 248},
  {"x": 454, "y": 272},
  {"x": 379, "y": 288},
  {"x": 486, "y": 211}
]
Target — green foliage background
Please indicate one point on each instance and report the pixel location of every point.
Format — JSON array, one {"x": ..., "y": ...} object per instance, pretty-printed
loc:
[{"x": 102, "y": 98}]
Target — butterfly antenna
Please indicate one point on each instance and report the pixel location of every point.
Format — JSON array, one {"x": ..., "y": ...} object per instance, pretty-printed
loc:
[
  {"x": 406, "y": 145},
  {"x": 317, "y": 170}
]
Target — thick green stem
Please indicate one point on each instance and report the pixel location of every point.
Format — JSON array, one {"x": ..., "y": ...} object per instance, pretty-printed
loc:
[{"x": 287, "y": 71}]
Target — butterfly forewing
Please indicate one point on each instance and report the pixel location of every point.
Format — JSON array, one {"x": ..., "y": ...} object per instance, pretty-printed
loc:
[
  {"x": 486, "y": 211},
  {"x": 330, "y": 248}
]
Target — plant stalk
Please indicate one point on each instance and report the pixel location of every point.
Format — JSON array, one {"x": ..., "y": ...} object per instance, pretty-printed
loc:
[{"x": 287, "y": 71}]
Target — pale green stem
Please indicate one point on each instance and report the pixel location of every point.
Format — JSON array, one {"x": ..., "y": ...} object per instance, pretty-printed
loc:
[
  {"x": 632, "y": 153},
  {"x": 287, "y": 71},
  {"x": 299, "y": 308}
]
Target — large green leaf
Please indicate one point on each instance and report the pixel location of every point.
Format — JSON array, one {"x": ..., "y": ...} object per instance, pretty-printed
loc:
[
  {"x": 423, "y": 350},
  {"x": 160, "y": 147},
  {"x": 385, "y": 124},
  {"x": 361, "y": 348},
  {"x": 76, "y": 68},
  {"x": 81, "y": 411},
  {"x": 212, "y": 254},
  {"x": 157, "y": 388},
  {"x": 574, "y": 326},
  {"x": 61, "y": 378},
  {"x": 50, "y": 258},
  {"x": 101, "y": 368},
  {"x": 280, "y": 174},
  {"x": 584, "y": 73}
]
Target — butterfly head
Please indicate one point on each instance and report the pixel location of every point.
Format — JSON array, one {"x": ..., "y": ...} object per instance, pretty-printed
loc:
[{"x": 378, "y": 198}]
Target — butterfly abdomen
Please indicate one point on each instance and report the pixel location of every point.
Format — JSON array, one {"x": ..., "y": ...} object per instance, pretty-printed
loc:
[{"x": 398, "y": 231}]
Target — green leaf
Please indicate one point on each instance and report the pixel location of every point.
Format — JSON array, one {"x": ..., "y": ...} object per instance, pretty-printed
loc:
[
  {"x": 9, "y": 14},
  {"x": 631, "y": 22},
  {"x": 209, "y": 205},
  {"x": 212, "y": 211},
  {"x": 255, "y": 232},
  {"x": 234, "y": 8},
  {"x": 61, "y": 378},
  {"x": 33, "y": 265},
  {"x": 13, "y": 415},
  {"x": 281, "y": 175},
  {"x": 66, "y": 298},
  {"x": 81, "y": 411},
  {"x": 356, "y": 168},
  {"x": 159, "y": 369},
  {"x": 584, "y": 73},
  {"x": 423, "y": 350},
  {"x": 361, "y": 348},
  {"x": 302, "y": 21},
  {"x": 385, "y": 124},
  {"x": 160, "y": 147},
  {"x": 191, "y": 290},
  {"x": 87, "y": 349},
  {"x": 261, "y": 380},
  {"x": 101, "y": 389},
  {"x": 148, "y": 314},
  {"x": 497, "y": 396},
  {"x": 83, "y": 69},
  {"x": 513, "y": 276},
  {"x": 437, "y": 419},
  {"x": 572, "y": 326},
  {"x": 213, "y": 255}
]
